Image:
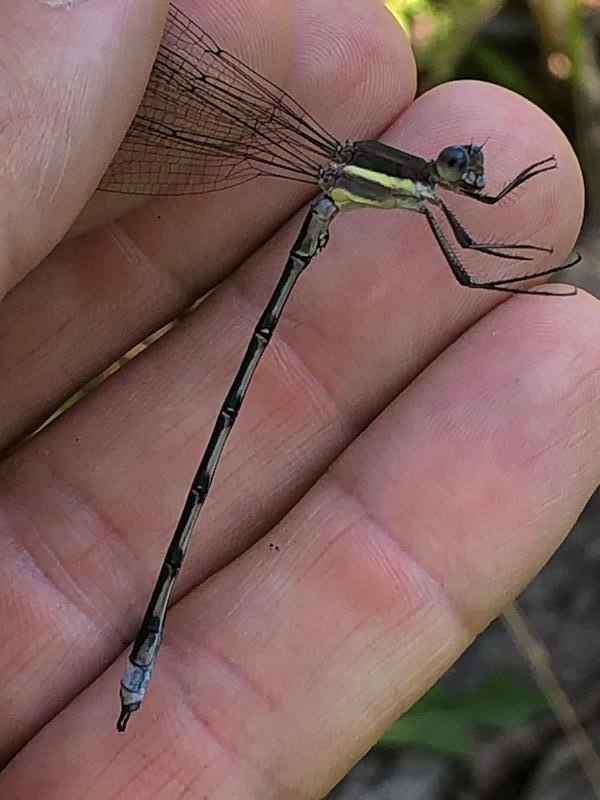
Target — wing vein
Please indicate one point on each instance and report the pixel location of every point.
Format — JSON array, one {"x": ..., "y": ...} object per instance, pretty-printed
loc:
[{"x": 208, "y": 121}]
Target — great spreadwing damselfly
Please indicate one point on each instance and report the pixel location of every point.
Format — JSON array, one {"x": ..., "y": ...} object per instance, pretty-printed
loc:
[{"x": 208, "y": 122}]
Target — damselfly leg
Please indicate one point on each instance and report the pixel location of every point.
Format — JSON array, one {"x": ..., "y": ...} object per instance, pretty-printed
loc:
[
  {"x": 467, "y": 242},
  {"x": 499, "y": 284},
  {"x": 545, "y": 165}
]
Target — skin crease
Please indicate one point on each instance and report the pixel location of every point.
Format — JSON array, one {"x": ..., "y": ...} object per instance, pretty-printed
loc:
[{"x": 410, "y": 453}]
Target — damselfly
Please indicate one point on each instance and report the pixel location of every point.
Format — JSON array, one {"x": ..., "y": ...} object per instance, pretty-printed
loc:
[{"x": 207, "y": 122}]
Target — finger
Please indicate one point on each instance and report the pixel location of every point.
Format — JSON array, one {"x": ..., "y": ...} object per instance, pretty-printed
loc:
[
  {"x": 530, "y": 214},
  {"x": 306, "y": 648},
  {"x": 114, "y": 472},
  {"x": 98, "y": 295},
  {"x": 59, "y": 120}
]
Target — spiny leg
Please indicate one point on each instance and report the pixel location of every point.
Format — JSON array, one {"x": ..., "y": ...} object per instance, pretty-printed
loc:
[
  {"x": 529, "y": 172},
  {"x": 462, "y": 276},
  {"x": 311, "y": 239},
  {"x": 543, "y": 273},
  {"x": 466, "y": 241}
]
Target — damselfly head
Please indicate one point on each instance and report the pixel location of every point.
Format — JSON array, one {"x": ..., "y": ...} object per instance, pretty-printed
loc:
[{"x": 460, "y": 168}]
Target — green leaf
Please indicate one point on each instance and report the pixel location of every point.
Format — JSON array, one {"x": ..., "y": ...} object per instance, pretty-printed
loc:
[{"x": 448, "y": 721}]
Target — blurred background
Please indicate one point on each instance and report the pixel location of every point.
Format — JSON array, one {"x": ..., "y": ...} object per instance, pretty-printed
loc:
[{"x": 518, "y": 717}]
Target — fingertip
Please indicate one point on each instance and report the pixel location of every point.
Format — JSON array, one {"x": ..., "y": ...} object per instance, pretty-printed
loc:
[
  {"x": 548, "y": 209},
  {"x": 356, "y": 64}
]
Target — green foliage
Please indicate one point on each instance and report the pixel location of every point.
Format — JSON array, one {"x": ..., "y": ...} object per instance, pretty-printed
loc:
[
  {"x": 530, "y": 46},
  {"x": 441, "y": 33},
  {"x": 448, "y": 722}
]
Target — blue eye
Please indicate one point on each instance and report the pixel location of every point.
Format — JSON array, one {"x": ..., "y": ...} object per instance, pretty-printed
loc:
[{"x": 452, "y": 163}]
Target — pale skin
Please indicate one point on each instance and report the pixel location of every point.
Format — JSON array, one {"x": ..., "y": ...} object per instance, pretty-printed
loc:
[{"x": 335, "y": 600}]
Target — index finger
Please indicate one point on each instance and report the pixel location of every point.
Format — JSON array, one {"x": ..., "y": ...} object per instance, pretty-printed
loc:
[{"x": 60, "y": 123}]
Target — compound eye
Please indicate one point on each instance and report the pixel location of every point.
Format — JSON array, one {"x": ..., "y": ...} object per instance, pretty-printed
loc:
[{"x": 452, "y": 163}]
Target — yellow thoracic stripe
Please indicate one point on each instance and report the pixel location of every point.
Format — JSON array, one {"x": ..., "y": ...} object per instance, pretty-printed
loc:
[
  {"x": 348, "y": 196},
  {"x": 389, "y": 181},
  {"x": 346, "y": 199}
]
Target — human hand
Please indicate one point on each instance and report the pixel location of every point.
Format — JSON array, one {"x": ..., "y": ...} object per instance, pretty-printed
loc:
[{"x": 334, "y": 600}]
